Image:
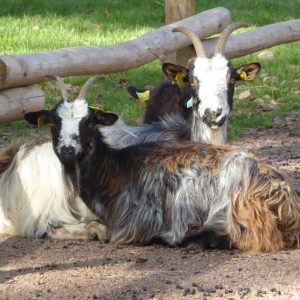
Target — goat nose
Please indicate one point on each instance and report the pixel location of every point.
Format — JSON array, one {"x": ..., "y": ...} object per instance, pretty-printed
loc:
[
  {"x": 212, "y": 115},
  {"x": 218, "y": 112},
  {"x": 67, "y": 151}
]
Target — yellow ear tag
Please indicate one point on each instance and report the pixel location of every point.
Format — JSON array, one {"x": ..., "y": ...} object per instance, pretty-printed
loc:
[
  {"x": 179, "y": 78},
  {"x": 243, "y": 75},
  {"x": 143, "y": 97},
  {"x": 41, "y": 121},
  {"x": 97, "y": 109}
]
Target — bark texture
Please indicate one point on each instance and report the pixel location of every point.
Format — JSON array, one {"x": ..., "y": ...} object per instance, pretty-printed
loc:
[{"x": 15, "y": 102}]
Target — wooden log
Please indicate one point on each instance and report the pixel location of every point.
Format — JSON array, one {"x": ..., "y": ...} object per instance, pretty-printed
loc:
[
  {"x": 176, "y": 10},
  {"x": 15, "y": 102},
  {"x": 19, "y": 70},
  {"x": 257, "y": 39}
]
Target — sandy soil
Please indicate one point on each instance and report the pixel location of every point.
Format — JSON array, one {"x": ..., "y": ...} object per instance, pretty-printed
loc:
[{"x": 50, "y": 269}]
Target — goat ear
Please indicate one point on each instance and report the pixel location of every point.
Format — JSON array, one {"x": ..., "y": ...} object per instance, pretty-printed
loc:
[
  {"x": 248, "y": 72},
  {"x": 105, "y": 118},
  {"x": 175, "y": 73},
  {"x": 39, "y": 118},
  {"x": 139, "y": 94},
  {"x": 133, "y": 91}
]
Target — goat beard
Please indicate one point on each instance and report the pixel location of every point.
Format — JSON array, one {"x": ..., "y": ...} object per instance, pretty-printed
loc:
[{"x": 73, "y": 173}]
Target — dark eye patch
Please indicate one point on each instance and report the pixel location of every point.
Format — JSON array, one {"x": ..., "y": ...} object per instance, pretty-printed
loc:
[
  {"x": 88, "y": 121},
  {"x": 75, "y": 137},
  {"x": 54, "y": 120}
]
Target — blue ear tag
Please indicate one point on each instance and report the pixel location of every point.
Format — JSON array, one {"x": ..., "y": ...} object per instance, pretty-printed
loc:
[{"x": 189, "y": 104}]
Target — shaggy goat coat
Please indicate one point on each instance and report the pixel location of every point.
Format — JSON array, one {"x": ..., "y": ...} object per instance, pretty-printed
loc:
[
  {"x": 174, "y": 192},
  {"x": 38, "y": 200}
]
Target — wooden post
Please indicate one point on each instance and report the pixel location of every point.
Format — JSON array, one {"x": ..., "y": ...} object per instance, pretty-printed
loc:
[{"x": 176, "y": 10}]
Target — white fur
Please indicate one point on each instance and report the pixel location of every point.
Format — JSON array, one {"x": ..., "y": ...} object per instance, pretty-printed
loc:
[
  {"x": 204, "y": 134},
  {"x": 34, "y": 194},
  {"x": 71, "y": 114},
  {"x": 212, "y": 76}
]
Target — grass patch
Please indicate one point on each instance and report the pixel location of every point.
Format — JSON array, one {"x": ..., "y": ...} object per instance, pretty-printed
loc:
[{"x": 29, "y": 26}]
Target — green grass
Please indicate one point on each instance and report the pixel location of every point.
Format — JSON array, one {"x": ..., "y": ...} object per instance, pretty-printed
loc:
[{"x": 30, "y": 26}]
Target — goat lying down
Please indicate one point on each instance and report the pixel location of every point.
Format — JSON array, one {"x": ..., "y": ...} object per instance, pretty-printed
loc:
[
  {"x": 37, "y": 199},
  {"x": 173, "y": 192},
  {"x": 201, "y": 94}
]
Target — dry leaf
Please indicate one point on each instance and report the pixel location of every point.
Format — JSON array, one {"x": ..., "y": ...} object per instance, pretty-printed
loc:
[
  {"x": 96, "y": 26},
  {"x": 245, "y": 95},
  {"x": 260, "y": 102},
  {"x": 266, "y": 55},
  {"x": 106, "y": 13},
  {"x": 270, "y": 79}
]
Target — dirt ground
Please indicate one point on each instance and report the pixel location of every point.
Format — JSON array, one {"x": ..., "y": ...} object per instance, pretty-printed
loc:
[{"x": 51, "y": 269}]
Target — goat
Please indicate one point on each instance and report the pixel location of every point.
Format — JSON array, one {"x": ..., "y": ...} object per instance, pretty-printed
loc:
[
  {"x": 173, "y": 192},
  {"x": 168, "y": 98},
  {"x": 202, "y": 93},
  {"x": 38, "y": 200}
]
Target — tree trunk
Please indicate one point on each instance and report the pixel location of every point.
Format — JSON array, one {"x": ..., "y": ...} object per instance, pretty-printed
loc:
[
  {"x": 176, "y": 10},
  {"x": 19, "y": 70},
  {"x": 15, "y": 102}
]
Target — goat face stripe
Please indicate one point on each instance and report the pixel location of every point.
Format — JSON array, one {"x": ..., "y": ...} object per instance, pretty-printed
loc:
[
  {"x": 71, "y": 114},
  {"x": 212, "y": 76}
]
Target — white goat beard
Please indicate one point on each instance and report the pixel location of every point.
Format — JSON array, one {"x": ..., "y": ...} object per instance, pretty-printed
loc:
[{"x": 200, "y": 132}]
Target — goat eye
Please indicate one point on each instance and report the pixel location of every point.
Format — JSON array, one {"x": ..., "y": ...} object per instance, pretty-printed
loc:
[
  {"x": 232, "y": 80},
  {"x": 91, "y": 125}
]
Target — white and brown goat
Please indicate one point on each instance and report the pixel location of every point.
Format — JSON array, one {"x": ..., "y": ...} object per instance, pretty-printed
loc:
[{"x": 173, "y": 192}]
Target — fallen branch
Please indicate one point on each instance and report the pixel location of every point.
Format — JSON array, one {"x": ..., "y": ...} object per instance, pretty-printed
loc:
[
  {"x": 15, "y": 102},
  {"x": 19, "y": 70},
  {"x": 258, "y": 39}
]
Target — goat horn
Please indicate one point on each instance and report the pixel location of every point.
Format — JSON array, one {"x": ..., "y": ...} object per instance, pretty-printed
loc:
[
  {"x": 195, "y": 40},
  {"x": 88, "y": 84},
  {"x": 63, "y": 87},
  {"x": 220, "y": 47}
]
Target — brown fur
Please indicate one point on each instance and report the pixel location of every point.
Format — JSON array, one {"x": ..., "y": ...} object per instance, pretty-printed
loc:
[
  {"x": 176, "y": 156},
  {"x": 114, "y": 182},
  {"x": 6, "y": 157},
  {"x": 7, "y": 154},
  {"x": 265, "y": 214}
]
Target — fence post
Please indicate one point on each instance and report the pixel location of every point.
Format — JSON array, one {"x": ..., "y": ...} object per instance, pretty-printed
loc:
[{"x": 176, "y": 10}]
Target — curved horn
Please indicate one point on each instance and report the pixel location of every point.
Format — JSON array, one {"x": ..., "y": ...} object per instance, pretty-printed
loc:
[
  {"x": 195, "y": 39},
  {"x": 63, "y": 87},
  {"x": 86, "y": 87},
  {"x": 220, "y": 47}
]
